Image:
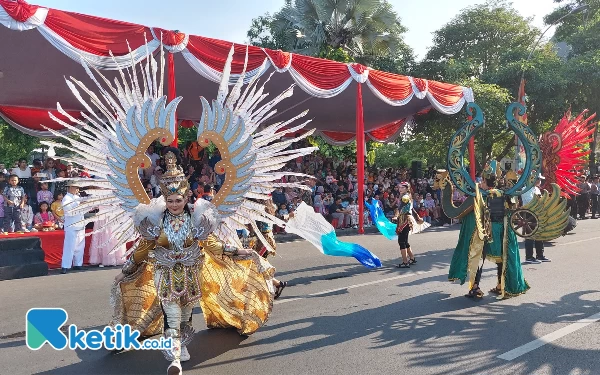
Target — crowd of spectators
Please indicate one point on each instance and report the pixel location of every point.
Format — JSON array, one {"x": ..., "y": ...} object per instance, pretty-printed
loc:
[{"x": 331, "y": 188}]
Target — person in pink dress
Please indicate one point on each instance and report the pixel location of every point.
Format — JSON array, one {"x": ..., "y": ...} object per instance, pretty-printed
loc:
[{"x": 103, "y": 242}]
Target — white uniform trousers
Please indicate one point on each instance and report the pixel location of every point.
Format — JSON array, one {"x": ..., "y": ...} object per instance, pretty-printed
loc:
[{"x": 73, "y": 247}]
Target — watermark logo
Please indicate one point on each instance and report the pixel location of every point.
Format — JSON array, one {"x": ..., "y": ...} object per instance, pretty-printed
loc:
[{"x": 44, "y": 326}]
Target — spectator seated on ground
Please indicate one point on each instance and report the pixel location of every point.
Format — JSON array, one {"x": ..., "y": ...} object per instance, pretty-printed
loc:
[
  {"x": 279, "y": 197},
  {"x": 424, "y": 214}
]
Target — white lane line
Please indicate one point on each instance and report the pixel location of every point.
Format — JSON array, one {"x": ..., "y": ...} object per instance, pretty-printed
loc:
[
  {"x": 352, "y": 287},
  {"x": 574, "y": 242},
  {"x": 524, "y": 349}
]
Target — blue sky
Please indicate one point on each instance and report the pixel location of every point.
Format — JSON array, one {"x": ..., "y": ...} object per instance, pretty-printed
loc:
[{"x": 230, "y": 19}]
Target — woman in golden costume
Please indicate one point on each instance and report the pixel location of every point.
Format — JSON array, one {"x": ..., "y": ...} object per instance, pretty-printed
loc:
[{"x": 180, "y": 255}]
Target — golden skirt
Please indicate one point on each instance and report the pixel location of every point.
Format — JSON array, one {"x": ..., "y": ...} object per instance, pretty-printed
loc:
[{"x": 236, "y": 293}]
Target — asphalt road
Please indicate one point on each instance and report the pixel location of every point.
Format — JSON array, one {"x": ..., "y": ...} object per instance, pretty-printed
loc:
[{"x": 340, "y": 318}]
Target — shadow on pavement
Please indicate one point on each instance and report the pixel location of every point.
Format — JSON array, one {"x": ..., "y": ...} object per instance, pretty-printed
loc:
[{"x": 410, "y": 321}]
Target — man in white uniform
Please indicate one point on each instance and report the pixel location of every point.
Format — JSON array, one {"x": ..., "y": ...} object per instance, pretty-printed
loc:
[{"x": 74, "y": 231}]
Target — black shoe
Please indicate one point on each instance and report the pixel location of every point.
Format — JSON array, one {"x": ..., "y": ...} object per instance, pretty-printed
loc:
[
  {"x": 63, "y": 270},
  {"x": 412, "y": 261},
  {"x": 543, "y": 259},
  {"x": 77, "y": 268},
  {"x": 403, "y": 265},
  {"x": 531, "y": 261}
]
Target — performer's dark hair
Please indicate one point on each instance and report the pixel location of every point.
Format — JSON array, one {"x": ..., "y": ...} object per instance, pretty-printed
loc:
[{"x": 491, "y": 181}]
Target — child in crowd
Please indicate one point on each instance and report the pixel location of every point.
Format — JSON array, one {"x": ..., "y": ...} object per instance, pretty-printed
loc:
[
  {"x": 44, "y": 219},
  {"x": 424, "y": 213},
  {"x": 44, "y": 195},
  {"x": 14, "y": 198},
  {"x": 57, "y": 208},
  {"x": 27, "y": 215},
  {"x": 353, "y": 207},
  {"x": 283, "y": 211}
]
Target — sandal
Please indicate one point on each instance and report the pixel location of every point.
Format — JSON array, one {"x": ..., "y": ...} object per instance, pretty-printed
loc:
[
  {"x": 412, "y": 261},
  {"x": 496, "y": 290},
  {"x": 282, "y": 285},
  {"x": 403, "y": 265},
  {"x": 474, "y": 293}
]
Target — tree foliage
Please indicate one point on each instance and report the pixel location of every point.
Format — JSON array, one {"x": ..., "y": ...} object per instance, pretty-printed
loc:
[{"x": 15, "y": 144}]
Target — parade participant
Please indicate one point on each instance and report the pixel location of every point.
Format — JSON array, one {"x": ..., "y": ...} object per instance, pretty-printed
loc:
[
  {"x": 266, "y": 231},
  {"x": 491, "y": 218},
  {"x": 14, "y": 199},
  {"x": 171, "y": 245},
  {"x": 404, "y": 217},
  {"x": 181, "y": 257},
  {"x": 74, "y": 225},
  {"x": 529, "y": 243}
]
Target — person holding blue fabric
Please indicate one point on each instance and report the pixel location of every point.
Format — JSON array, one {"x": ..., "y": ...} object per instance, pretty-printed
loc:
[{"x": 404, "y": 224}]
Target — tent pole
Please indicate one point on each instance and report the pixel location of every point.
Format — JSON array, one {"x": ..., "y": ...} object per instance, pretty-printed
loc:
[
  {"x": 360, "y": 157},
  {"x": 171, "y": 93}
]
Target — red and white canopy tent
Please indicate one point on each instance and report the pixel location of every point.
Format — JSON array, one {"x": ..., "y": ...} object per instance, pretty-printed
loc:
[{"x": 40, "y": 46}]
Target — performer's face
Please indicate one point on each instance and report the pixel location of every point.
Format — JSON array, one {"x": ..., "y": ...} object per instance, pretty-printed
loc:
[{"x": 176, "y": 204}]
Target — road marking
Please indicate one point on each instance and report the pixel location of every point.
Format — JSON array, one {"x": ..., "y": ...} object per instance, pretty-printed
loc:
[
  {"x": 524, "y": 349},
  {"x": 579, "y": 241},
  {"x": 352, "y": 287}
]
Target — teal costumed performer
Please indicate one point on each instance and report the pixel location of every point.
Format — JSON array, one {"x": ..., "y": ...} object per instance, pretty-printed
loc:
[{"x": 491, "y": 217}]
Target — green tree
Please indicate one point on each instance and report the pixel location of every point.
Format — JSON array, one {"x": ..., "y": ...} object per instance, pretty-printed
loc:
[
  {"x": 486, "y": 47},
  {"x": 481, "y": 34},
  {"x": 365, "y": 31},
  {"x": 434, "y": 130},
  {"x": 358, "y": 26},
  {"x": 262, "y": 34},
  {"x": 15, "y": 144}
]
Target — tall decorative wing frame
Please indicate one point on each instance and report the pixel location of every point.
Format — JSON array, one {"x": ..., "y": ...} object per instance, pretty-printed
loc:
[
  {"x": 120, "y": 124},
  {"x": 542, "y": 219},
  {"x": 563, "y": 153},
  {"x": 459, "y": 141},
  {"x": 112, "y": 145}
]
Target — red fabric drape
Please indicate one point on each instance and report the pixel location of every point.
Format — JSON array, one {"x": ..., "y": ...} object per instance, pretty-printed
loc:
[
  {"x": 360, "y": 157},
  {"x": 187, "y": 124},
  {"x": 214, "y": 52},
  {"x": 32, "y": 117},
  {"x": 279, "y": 58},
  {"x": 445, "y": 93},
  {"x": 338, "y": 136},
  {"x": 171, "y": 88},
  {"x": 168, "y": 37},
  {"x": 19, "y": 10},
  {"x": 385, "y": 133},
  {"x": 97, "y": 35},
  {"x": 321, "y": 73},
  {"x": 392, "y": 86}
]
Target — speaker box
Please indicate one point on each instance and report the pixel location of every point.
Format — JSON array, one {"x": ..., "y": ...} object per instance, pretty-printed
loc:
[
  {"x": 417, "y": 169},
  {"x": 21, "y": 257}
]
